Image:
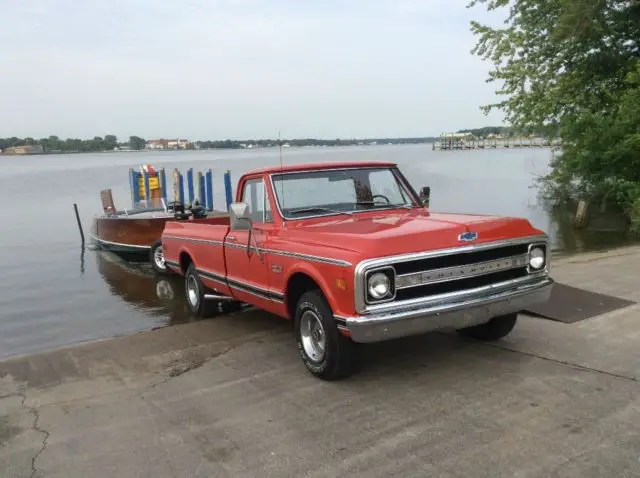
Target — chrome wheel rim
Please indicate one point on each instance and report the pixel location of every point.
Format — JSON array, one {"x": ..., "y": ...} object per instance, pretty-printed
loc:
[
  {"x": 158, "y": 258},
  {"x": 193, "y": 295},
  {"x": 312, "y": 335}
]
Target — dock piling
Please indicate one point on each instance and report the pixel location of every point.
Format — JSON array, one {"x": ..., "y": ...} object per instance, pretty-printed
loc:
[
  {"x": 227, "y": 188},
  {"x": 209, "y": 181},
  {"x": 75, "y": 208},
  {"x": 163, "y": 184},
  {"x": 202, "y": 196},
  {"x": 190, "y": 184}
]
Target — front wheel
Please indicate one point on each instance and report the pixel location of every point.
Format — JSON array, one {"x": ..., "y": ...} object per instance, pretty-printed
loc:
[
  {"x": 326, "y": 353},
  {"x": 495, "y": 329}
]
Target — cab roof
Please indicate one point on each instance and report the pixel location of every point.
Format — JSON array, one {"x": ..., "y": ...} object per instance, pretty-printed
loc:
[{"x": 291, "y": 168}]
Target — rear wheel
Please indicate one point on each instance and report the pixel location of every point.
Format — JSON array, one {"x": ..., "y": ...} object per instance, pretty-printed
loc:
[
  {"x": 194, "y": 292},
  {"x": 326, "y": 353},
  {"x": 495, "y": 329}
]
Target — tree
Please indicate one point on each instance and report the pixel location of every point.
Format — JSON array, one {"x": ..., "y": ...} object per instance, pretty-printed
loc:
[
  {"x": 135, "y": 142},
  {"x": 110, "y": 142},
  {"x": 572, "y": 66}
]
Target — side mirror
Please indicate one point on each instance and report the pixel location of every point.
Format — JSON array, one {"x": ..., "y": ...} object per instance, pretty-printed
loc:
[
  {"x": 239, "y": 216},
  {"x": 425, "y": 195}
]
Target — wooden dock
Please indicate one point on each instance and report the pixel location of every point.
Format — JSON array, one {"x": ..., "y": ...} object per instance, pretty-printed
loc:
[{"x": 462, "y": 141}]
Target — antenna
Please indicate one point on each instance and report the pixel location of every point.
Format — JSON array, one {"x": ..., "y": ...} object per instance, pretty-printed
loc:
[
  {"x": 281, "y": 170},
  {"x": 280, "y": 144}
]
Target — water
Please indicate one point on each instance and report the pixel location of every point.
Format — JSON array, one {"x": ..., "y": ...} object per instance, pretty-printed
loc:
[{"x": 53, "y": 294}]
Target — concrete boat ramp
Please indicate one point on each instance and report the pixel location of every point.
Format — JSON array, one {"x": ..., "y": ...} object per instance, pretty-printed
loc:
[{"x": 228, "y": 397}]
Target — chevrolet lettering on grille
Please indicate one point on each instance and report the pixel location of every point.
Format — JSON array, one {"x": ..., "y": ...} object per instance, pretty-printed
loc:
[{"x": 462, "y": 272}]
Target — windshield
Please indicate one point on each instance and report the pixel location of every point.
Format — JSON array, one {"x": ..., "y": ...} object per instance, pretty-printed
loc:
[{"x": 341, "y": 191}]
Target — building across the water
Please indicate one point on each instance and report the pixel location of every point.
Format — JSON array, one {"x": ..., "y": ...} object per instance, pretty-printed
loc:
[
  {"x": 24, "y": 149},
  {"x": 168, "y": 144}
]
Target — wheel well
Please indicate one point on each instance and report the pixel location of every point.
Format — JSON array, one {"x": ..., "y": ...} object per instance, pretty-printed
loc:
[
  {"x": 298, "y": 284},
  {"x": 185, "y": 260}
]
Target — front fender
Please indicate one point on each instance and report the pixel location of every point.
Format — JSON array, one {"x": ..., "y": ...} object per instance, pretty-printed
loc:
[{"x": 326, "y": 276}]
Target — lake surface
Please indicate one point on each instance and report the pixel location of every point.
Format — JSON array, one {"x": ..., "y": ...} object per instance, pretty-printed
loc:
[{"x": 52, "y": 293}]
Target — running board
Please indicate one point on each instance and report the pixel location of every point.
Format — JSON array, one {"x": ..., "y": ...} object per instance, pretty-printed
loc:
[{"x": 217, "y": 297}]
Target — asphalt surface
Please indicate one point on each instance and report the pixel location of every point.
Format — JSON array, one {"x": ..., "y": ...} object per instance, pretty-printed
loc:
[{"x": 229, "y": 397}]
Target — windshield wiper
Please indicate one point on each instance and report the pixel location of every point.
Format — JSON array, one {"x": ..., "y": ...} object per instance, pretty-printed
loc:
[
  {"x": 384, "y": 205},
  {"x": 319, "y": 209}
]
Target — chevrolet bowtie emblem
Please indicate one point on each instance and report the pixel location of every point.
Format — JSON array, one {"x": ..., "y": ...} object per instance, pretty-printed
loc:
[{"x": 468, "y": 236}]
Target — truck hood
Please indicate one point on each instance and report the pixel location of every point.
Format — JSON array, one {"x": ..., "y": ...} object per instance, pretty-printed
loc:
[{"x": 385, "y": 233}]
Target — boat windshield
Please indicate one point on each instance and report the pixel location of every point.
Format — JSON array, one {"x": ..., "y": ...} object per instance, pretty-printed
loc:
[{"x": 340, "y": 191}]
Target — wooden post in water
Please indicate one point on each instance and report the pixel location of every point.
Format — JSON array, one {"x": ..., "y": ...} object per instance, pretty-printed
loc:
[
  {"x": 132, "y": 187},
  {"x": 202, "y": 197},
  {"x": 163, "y": 184},
  {"x": 209, "y": 180},
  {"x": 228, "y": 188},
  {"x": 190, "y": 184},
  {"x": 75, "y": 208},
  {"x": 176, "y": 185}
]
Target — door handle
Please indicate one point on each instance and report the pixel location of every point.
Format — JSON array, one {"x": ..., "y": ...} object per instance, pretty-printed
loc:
[{"x": 231, "y": 238}]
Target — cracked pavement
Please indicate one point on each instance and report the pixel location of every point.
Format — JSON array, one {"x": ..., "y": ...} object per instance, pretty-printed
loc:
[{"x": 229, "y": 397}]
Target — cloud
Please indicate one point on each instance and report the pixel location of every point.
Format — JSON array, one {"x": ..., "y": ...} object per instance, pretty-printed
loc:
[{"x": 213, "y": 69}]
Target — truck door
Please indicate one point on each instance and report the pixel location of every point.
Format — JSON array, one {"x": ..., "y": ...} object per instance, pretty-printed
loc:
[{"x": 247, "y": 262}]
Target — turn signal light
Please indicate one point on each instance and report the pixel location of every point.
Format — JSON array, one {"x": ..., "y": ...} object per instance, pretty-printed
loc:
[{"x": 341, "y": 284}]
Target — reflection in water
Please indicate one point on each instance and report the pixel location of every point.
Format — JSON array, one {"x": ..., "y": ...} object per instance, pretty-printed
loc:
[
  {"x": 605, "y": 229},
  {"x": 138, "y": 285}
]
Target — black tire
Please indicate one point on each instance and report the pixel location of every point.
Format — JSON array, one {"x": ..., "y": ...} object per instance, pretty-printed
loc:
[
  {"x": 339, "y": 356},
  {"x": 196, "y": 301},
  {"x": 157, "y": 259},
  {"x": 495, "y": 329}
]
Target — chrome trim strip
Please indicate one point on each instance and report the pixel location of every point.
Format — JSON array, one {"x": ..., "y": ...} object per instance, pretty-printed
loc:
[
  {"x": 253, "y": 289},
  {"x": 190, "y": 239},
  {"x": 102, "y": 241},
  {"x": 361, "y": 267},
  {"x": 448, "y": 274},
  {"x": 242, "y": 286},
  {"x": 212, "y": 276},
  {"x": 295, "y": 255}
]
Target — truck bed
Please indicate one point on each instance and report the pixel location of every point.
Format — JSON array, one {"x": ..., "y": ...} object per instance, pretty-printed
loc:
[{"x": 202, "y": 243}]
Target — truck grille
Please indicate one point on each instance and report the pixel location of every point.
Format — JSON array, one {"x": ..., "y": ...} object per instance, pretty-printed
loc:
[{"x": 454, "y": 271}]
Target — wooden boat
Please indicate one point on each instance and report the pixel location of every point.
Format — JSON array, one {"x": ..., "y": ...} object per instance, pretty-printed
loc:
[{"x": 135, "y": 234}]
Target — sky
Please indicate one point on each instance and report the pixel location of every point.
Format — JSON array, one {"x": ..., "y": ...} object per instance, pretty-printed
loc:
[{"x": 217, "y": 69}]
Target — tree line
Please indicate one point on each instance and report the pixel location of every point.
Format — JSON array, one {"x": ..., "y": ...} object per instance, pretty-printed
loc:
[{"x": 53, "y": 144}]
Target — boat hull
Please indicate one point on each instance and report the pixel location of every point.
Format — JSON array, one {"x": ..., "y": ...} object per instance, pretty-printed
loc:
[
  {"x": 128, "y": 235},
  {"x": 133, "y": 235}
]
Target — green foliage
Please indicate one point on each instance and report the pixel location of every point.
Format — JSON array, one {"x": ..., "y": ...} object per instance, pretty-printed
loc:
[
  {"x": 136, "y": 142},
  {"x": 572, "y": 66}
]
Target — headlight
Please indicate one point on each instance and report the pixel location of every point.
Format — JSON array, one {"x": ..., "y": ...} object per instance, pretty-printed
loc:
[
  {"x": 537, "y": 258},
  {"x": 379, "y": 286}
]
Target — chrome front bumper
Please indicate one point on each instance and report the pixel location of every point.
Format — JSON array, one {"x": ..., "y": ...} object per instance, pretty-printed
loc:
[{"x": 456, "y": 313}]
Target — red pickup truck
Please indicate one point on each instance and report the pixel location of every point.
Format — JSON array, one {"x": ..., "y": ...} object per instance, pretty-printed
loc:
[{"x": 351, "y": 254}]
